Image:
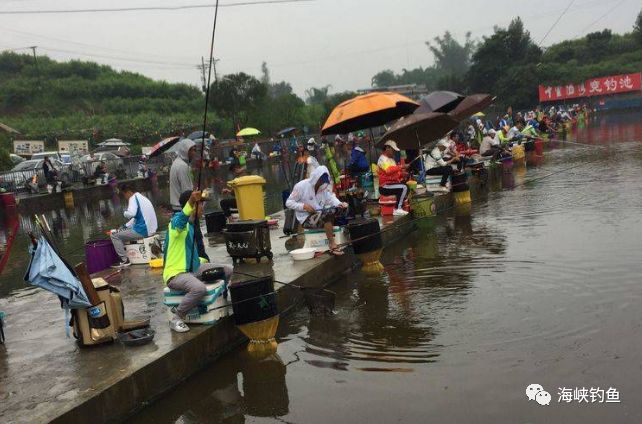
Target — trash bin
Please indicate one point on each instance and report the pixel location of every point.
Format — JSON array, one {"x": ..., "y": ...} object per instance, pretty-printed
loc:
[{"x": 249, "y": 197}]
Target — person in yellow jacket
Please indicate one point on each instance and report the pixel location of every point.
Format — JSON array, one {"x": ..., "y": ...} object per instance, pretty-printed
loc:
[{"x": 183, "y": 267}]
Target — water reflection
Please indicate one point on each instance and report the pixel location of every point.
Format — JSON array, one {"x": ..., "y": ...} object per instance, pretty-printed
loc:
[{"x": 242, "y": 387}]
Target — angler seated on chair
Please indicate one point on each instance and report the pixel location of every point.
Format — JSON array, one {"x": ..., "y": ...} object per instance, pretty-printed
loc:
[
  {"x": 142, "y": 223},
  {"x": 184, "y": 258},
  {"x": 316, "y": 205}
]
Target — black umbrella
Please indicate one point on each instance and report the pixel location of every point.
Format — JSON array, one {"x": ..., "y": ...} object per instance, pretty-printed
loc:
[
  {"x": 418, "y": 129},
  {"x": 439, "y": 101},
  {"x": 471, "y": 105},
  {"x": 198, "y": 135}
]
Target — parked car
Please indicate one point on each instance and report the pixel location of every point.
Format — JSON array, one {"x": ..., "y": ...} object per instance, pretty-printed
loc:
[
  {"x": 42, "y": 155},
  {"x": 15, "y": 159},
  {"x": 17, "y": 178},
  {"x": 112, "y": 160}
]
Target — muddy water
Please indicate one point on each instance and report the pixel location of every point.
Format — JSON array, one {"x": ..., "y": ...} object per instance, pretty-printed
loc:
[{"x": 539, "y": 284}]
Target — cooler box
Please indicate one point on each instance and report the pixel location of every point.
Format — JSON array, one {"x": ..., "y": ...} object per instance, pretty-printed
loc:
[
  {"x": 140, "y": 252},
  {"x": 209, "y": 311},
  {"x": 316, "y": 239},
  {"x": 248, "y": 192}
]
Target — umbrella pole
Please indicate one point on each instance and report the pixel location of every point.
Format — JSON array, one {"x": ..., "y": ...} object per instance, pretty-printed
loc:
[
  {"x": 422, "y": 167},
  {"x": 371, "y": 145}
]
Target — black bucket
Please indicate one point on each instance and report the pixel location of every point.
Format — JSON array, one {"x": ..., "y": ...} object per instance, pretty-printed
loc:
[
  {"x": 253, "y": 300},
  {"x": 215, "y": 222},
  {"x": 364, "y": 228},
  {"x": 459, "y": 183},
  {"x": 529, "y": 146}
]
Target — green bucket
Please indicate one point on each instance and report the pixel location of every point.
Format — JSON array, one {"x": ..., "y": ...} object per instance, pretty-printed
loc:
[{"x": 423, "y": 207}]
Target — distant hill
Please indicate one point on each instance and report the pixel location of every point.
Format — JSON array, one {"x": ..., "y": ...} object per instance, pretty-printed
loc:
[{"x": 46, "y": 99}]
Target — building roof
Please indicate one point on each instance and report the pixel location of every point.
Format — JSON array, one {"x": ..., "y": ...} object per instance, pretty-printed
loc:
[{"x": 8, "y": 129}]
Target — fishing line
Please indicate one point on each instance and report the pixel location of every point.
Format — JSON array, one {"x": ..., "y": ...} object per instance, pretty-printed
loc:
[{"x": 200, "y": 168}]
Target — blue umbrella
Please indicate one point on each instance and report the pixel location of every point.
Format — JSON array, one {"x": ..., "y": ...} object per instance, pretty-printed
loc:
[
  {"x": 285, "y": 131},
  {"x": 48, "y": 271}
]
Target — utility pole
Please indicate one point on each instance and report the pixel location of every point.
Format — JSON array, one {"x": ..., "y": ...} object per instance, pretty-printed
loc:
[
  {"x": 35, "y": 60},
  {"x": 205, "y": 70},
  {"x": 203, "y": 76}
]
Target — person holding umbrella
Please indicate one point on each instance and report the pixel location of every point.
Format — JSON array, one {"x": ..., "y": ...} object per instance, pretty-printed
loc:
[{"x": 391, "y": 176}]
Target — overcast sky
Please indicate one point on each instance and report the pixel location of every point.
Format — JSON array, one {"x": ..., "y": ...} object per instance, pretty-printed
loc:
[{"x": 338, "y": 42}]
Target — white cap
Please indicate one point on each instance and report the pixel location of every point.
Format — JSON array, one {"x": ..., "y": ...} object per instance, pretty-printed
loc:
[
  {"x": 393, "y": 144},
  {"x": 492, "y": 131}
]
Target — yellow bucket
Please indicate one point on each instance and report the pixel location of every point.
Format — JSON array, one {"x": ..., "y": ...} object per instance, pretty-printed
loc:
[{"x": 249, "y": 197}]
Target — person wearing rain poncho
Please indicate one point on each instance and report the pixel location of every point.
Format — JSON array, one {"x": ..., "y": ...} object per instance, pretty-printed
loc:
[
  {"x": 180, "y": 175},
  {"x": 316, "y": 205}
]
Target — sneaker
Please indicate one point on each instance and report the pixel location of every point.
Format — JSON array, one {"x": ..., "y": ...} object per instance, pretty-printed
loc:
[
  {"x": 178, "y": 325},
  {"x": 399, "y": 212},
  {"x": 122, "y": 264}
]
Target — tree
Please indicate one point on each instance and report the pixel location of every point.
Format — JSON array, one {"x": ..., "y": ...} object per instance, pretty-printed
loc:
[
  {"x": 385, "y": 78},
  {"x": 494, "y": 57},
  {"x": 637, "y": 29},
  {"x": 451, "y": 57},
  {"x": 265, "y": 74},
  {"x": 316, "y": 96},
  {"x": 237, "y": 94},
  {"x": 280, "y": 89}
]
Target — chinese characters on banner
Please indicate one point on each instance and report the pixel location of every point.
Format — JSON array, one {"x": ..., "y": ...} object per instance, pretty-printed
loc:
[{"x": 592, "y": 87}]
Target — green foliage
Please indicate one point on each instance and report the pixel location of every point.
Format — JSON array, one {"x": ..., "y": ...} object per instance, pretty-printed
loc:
[
  {"x": 452, "y": 58},
  {"x": 5, "y": 161},
  {"x": 637, "y": 29}
]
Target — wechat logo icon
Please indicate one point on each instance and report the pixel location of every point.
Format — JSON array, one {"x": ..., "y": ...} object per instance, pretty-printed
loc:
[{"x": 537, "y": 393}]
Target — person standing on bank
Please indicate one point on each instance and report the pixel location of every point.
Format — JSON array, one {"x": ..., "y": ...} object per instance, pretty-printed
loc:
[
  {"x": 391, "y": 177},
  {"x": 180, "y": 181},
  {"x": 183, "y": 265},
  {"x": 142, "y": 223},
  {"x": 180, "y": 174}
]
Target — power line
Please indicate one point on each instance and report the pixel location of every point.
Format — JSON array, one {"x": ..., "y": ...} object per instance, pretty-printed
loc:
[
  {"x": 602, "y": 17},
  {"x": 556, "y": 22},
  {"x": 25, "y": 34},
  {"x": 149, "y": 8}
]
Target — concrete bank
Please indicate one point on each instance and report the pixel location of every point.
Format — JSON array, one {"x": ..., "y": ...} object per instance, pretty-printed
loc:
[
  {"x": 45, "y": 376},
  {"x": 38, "y": 203}
]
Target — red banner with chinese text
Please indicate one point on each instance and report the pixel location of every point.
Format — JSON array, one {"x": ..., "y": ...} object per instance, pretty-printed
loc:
[{"x": 593, "y": 87}]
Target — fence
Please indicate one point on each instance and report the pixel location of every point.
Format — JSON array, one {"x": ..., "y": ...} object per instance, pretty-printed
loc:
[{"x": 83, "y": 172}]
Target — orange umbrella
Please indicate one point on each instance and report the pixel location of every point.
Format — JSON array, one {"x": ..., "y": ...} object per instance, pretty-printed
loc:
[{"x": 368, "y": 111}]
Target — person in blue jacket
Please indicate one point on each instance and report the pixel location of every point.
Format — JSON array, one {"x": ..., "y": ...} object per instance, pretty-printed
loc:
[{"x": 358, "y": 161}]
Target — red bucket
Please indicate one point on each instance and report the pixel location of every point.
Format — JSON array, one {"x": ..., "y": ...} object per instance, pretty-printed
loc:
[
  {"x": 8, "y": 200},
  {"x": 539, "y": 147}
]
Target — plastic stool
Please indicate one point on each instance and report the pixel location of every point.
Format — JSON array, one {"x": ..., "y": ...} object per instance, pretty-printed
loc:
[{"x": 387, "y": 204}]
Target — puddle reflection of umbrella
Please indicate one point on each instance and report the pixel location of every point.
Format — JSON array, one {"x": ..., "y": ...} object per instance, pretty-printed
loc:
[
  {"x": 247, "y": 132},
  {"x": 418, "y": 129},
  {"x": 163, "y": 146},
  {"x": 368, "y": 111},
  {"x": 470, "y": 105},
  {"x": 285, "y": 131},
  {"x": 440, "y": 101}
]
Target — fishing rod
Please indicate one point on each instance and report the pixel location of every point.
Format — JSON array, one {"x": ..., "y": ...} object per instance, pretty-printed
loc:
[{"x": 207, "y": 98}]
